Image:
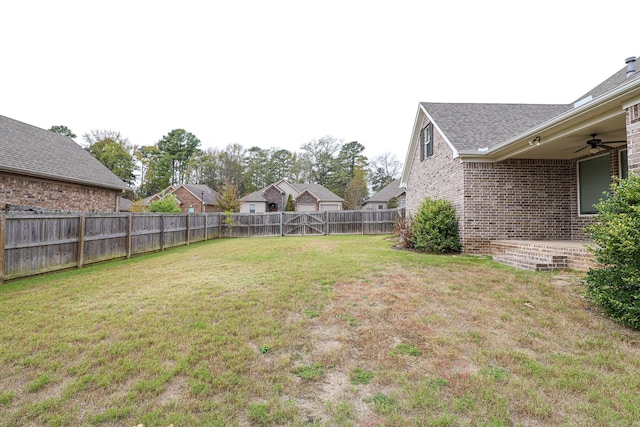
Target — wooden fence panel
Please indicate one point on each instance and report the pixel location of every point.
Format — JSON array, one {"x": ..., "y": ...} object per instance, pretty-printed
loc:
[
  {"x": 145, "y": 233},
  {"x": 197, "y": 227},
  {"x": 379, "y": 221},
  {"x": 214, "y": 221},
  {"x": 345, "y": 222},
  {"x": 105, "y": 237},
  {"x": 265, "y": 225},
  {"x": 36, "y": 244},
  {"x": 175, "y": 230}
]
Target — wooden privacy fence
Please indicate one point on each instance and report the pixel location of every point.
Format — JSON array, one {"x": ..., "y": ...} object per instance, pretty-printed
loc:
[{"x": 34, "y": 244}]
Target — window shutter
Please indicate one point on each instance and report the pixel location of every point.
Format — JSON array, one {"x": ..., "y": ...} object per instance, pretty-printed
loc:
[
  {"x": 429, "y": 144},
  {"x": 422, "y": 136}
]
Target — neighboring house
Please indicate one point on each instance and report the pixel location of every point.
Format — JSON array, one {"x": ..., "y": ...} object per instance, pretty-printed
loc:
[
  {"x": 197, "y": 198},
  {"x": 43, "y": 170},
  {"x": 380, "y": 200},
  {"x": 306, "y": 198},
  {"x": 525, "y": 172}
]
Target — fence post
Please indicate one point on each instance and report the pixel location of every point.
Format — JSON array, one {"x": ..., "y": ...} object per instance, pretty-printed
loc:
[
  {"x": 3, "y": 230},
  {"x": 81, "y": 225},
  {"x": 281, "y": 224},
  {"x": 205, "y": 226},
  {"x": 161, "y": 232},
  {"x": 326, "y": 223},
  {"x": 220, "y": 224},
  {"x": 188, "y": 228},
  {"x": 129, "y": 227}
]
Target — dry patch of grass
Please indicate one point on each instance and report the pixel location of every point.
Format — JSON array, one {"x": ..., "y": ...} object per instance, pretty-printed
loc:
[{"x": 310, "y": 331}]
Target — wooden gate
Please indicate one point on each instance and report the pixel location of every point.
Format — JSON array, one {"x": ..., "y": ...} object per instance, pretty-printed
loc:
[{"x": 303, "y": 223}]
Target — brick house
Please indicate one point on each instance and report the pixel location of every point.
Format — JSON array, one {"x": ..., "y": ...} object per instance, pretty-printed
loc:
[
  {"x": 381, "y": 199},
  {"x": 306, "y": 198},
  {"x": 45, "y": 171},
  {"x": 197, "y": 198},
  {"x": 522, "y": 172}
]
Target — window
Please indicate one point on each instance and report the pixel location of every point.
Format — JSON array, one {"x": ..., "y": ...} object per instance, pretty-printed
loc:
[
  {"x": 380, "y": 206},
  {"x": 403, "y": 203},
  {"x": 624, "y": 164},
  {"x": 594, "y": 179},
  {"x": 252, "y": 208},
  {"x": 426, "y": 142}
]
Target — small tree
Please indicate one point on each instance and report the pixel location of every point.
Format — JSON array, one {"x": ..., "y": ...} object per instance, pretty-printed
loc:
[
  {"x": 615, "y": 286},
  {"x": 290, "y": 207},
  {"x": 228, "y": 201},
  {"x": 392, "y": 203},
  {"x": 435, "y": 228},
  {"x": 168, "y": 203}
]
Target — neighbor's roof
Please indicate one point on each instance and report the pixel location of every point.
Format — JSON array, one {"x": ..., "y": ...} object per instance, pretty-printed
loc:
[
  {"x": 256, "y": 196},
  {"x": 210, "y": 195},
  {"x": 322, "y": 193},
  {"x": 474, "y": 126},
  {"x": 31, "y": 151},
  {"x": 385, "y": 194}
]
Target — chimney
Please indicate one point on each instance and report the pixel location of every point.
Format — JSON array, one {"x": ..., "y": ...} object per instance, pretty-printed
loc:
[{"x": 631, "y": 65}]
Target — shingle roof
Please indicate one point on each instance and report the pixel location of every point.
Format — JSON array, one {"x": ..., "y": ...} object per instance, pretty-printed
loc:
[
  {"x": 256, "y": 196},
  {"x": 210, "y": 196},
  {"x": 28, "y": 150},
  {"x": 322, "y": 193},
  {"x": 385, "y": 194},
  {"x": 612, "y": 82},
  {"x": 472, "y": 126}
]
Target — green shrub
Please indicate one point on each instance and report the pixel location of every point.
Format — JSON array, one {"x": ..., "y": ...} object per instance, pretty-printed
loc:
[
  {"x": 435, "y": 228},
  {"x": 615, "y": 286},
  {"x": 290, "y": 206},
  {"x": 168, "y": 203}
]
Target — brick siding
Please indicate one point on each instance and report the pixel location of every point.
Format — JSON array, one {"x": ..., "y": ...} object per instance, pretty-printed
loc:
[
  {"x": 633, "y": 137},
  {"x": 39, "y": 194},
  {"x": 188, "y": 200}
]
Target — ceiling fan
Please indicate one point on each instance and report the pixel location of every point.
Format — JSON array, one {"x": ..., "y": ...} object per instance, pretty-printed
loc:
[{"x": 594, "y": 144}]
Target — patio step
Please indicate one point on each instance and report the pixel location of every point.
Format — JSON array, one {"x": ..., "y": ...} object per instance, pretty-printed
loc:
[{"x": 556, "y": 262}]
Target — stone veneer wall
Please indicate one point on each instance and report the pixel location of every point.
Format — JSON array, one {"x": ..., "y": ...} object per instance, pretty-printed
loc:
[
  {"x": 523, "y": 199},
  {"x": 54, "y": 195}
]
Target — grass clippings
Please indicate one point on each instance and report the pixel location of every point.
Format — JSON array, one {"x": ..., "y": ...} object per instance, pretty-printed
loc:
[{"x": 310, "y": 331}]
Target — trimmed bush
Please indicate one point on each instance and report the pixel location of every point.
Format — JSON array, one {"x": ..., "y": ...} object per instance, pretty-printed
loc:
[
  {"x": 615, "y": 287},
  {"x": 435, "y": 228}
]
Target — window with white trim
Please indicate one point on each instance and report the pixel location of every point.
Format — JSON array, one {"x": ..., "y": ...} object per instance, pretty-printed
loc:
[
  {"x": 594, "y": 179},
  {"x": 426, "y": 142},
  {"x": 252, "y": 208},
  {"x": 623, "y": 161}
]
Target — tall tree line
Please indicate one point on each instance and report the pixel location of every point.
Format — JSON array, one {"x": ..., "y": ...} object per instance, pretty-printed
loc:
[{"x": 178, "y": 159}]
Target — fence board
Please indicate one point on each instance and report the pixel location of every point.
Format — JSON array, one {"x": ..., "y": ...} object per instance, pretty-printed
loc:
[{"x": 34, "y": 244}]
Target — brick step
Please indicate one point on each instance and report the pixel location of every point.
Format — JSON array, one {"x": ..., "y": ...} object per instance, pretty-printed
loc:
[{"x": 557, "y": 262}]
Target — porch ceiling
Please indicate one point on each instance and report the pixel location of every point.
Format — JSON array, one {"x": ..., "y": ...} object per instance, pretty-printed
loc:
[{"x": 565, "y": 143}]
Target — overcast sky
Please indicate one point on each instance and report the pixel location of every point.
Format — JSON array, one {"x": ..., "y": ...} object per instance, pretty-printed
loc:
[{"x": 281, "y": 73}]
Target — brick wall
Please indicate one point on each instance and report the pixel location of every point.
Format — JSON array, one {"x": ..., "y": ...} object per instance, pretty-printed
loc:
[
  {"x": 437, "y": 176},
  {"x": 54, "y": 195},
  {"x": 633, "y": 137},
  {"x": 188, "y": 199},
  {"x": 516, "y": 199}
]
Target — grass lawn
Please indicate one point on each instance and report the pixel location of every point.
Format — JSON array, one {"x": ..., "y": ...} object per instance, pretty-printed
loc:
[{"x": 336, "y": 331}]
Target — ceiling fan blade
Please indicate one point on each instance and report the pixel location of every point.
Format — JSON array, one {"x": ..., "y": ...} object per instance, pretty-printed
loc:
[
  {"x": 580, "y": 149},
  {"x": 615, "y": 142}
]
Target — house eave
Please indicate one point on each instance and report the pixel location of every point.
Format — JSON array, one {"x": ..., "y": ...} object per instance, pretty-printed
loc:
[
  {"x": 606, "y": 106},
  {"x": 66, "y": 180}
]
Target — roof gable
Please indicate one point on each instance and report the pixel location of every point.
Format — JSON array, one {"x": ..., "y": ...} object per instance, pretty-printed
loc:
[
  {"x": 31, "y": 151},
  {"x": 385, "y": 194}
]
